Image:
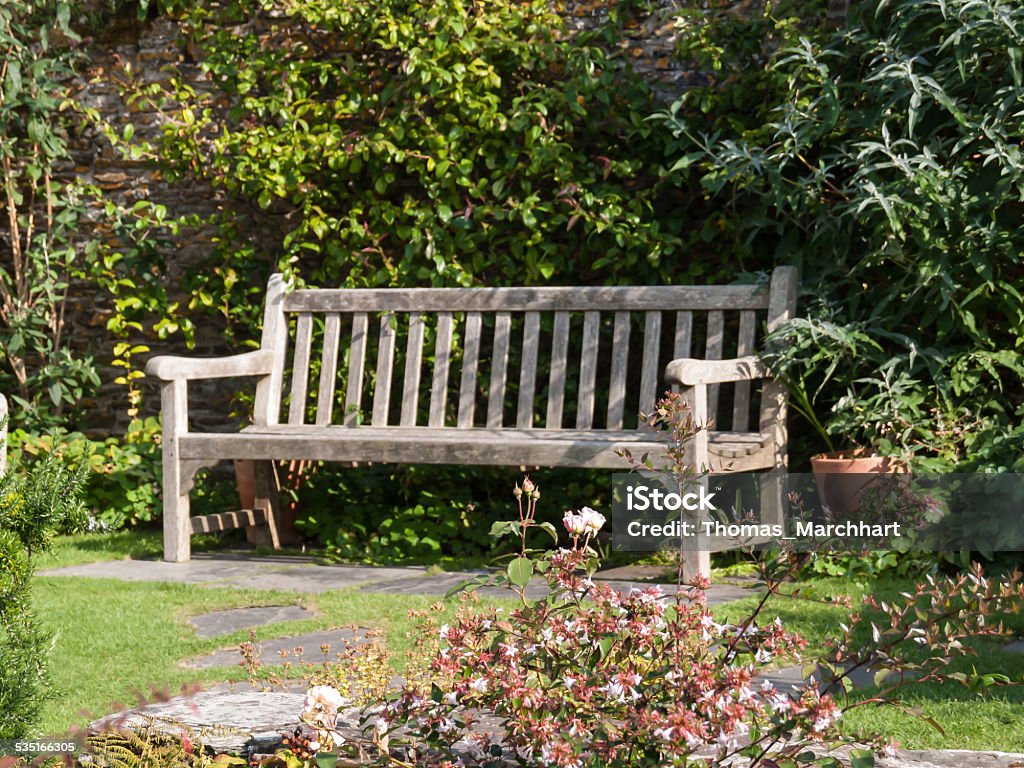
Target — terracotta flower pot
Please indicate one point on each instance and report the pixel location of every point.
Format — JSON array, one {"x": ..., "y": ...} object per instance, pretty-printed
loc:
[
  {"x": 843, "y": 476},
  {"x": 245, "y": 479}
]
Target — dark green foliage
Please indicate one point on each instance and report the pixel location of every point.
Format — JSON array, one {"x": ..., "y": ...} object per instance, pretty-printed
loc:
[
  {"x": 423, "y": 513},
  {"x": 409, "y": 143},
  {"x": 886, "y": 162},
  {"x": 34, "y": 506}
]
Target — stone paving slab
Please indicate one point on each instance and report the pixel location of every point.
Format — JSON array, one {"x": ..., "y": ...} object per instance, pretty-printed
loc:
[
  {"x": 258, "y": 718},
  {"x": 225, "y": 622},
  {"x": 300, "y": 574},
  {"x": 310, "y": 642}
]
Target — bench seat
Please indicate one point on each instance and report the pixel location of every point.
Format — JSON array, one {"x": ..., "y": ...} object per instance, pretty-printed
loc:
[
  {"x": 730, "y": 451},
  {"x": 552, "y": 376}
]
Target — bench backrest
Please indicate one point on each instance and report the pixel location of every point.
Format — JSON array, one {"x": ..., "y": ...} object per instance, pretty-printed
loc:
[{"x": 585, "y": 358}]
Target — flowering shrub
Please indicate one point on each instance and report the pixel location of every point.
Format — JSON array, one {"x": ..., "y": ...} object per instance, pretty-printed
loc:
[{"x": 587, "y": 676}]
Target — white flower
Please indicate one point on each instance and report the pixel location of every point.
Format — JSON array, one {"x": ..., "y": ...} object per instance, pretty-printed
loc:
[
  {"x": 615, "y": 691},
  {"x": 593, "y": 520},
  {"x": 320, "y": 706},
  {"x": 568, "y": 682},
  {"x": 574, "y": 523},
  {"x": 663, "y": 733},
  {"x": 479, "y": 685},
  {"x": 779, "y": 702},
  {"x": 444, "y": 631}
]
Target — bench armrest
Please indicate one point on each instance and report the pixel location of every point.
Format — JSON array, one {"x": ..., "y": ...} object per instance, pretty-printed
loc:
[
  {"x": 170, "y": 368},
  {"x": 688, "y": 372}
]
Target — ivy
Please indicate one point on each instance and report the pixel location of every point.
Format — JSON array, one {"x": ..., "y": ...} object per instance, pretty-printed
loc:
[{"x": 414, "y": 143}]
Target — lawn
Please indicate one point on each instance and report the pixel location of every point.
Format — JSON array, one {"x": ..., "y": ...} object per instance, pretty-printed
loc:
[{"x": 115, "y": 640}]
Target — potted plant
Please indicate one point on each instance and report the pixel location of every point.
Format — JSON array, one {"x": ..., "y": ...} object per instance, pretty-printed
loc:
[{"x": 866, "y": 389}]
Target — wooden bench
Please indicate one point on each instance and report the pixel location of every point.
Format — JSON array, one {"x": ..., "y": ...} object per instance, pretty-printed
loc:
[{"x": 547, "y": 377}]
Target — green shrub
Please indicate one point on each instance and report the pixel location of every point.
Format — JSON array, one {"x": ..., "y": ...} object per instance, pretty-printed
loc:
[
  {"x": 422, "y": 513},
  {"x": 886, "y": 162},
  {"x": 409, "y": 143},
  {"x": 35, "y": 504},
  {"x": 123, "y": 475}
]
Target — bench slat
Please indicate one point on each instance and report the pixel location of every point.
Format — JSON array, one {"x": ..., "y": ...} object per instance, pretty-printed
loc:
[
  {"x": 442, "y": 357},
  {"x": 494, "y": 447},
  {"x": 470, "y": 361},
  {"x": 744, "y": 347},
  {"x": 556, "y": 380},
  {"x": 328, "y": 370},
  {"x": 715, "y": 342},
  {"x": 572, "y": 299},
  {"x": 413, "y": 364},
  {"x": 356, "y": 366},
  {"x": 227, "y": 521},
  {"x": 300, "y": 369},
  {"x": 684, "y": 333},
  {"x": 385, "y": 362},
  {"x": 499, "y": 369},
  {"x": 588, "y": 370},
  {"x": 650, "y": 375},
  {"x": 620, "y": 360},
  {"x": 528, "y": 371}
]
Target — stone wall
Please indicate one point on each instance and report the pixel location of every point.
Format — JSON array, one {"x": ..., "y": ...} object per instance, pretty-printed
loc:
[{"x": 150, "y": 51}]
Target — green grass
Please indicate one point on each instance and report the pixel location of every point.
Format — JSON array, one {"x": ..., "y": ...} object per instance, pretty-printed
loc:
[
  {"x": 969, "y": 721},
  {"x": 116, "y": 640}
]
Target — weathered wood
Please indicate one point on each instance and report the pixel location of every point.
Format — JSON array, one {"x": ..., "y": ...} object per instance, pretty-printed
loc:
[
  {"x": 689, "y": 372},
  {"x": 449, "y": 445},
  {"x": 328, "y": 370},
  {"x": 300, "y": 369},
  {"x": 267, "y": 404},
  {"x": 499, "y": 369},
  {"x": 570, "y": 299},
  {"x": 442, "y": 359},
  {"x": 470, "y": 361},
  {"x": 649, "y": 365},
  {"x": 684, "y": 334},
  {"x": 170, "y": 367},
  {"x": 556, "y": 378},
  {"x": 528, "y": 371},
  {"x": 682, "y": 343},
  {"x": 413, "y": 364},
  {"x": 781, "y": 307},
  {"x": 620, "y": 362},
  {"x": 588, "y": 371},
  {"x": 713, "y": 351},
  {"x": 385, "y": 362},
  {"x": 174, "y": 427},
  {"x": 267, "y": 440},
  {"x": 741, "y": 396},
  {"x": 268, "y": 500},
  {"x": 356, "y": 368},
  {"x": 226, "y": 521}
]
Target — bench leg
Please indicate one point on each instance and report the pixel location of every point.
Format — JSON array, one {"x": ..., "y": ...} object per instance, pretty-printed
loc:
[
  {"x": 268, "y": 499},
  {"x": 773, "y": 503},
  {"x": 177, "y": 525},
  {"x": 696, "y": 563}
]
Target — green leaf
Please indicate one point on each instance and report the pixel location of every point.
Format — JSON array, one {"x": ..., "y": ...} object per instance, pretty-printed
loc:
[
  {"x": 520, "y": 571},
  {"x": 13, "y": 79},
  {"x": 861, "y": 758},
  {"x": 550, "y": 529}
]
